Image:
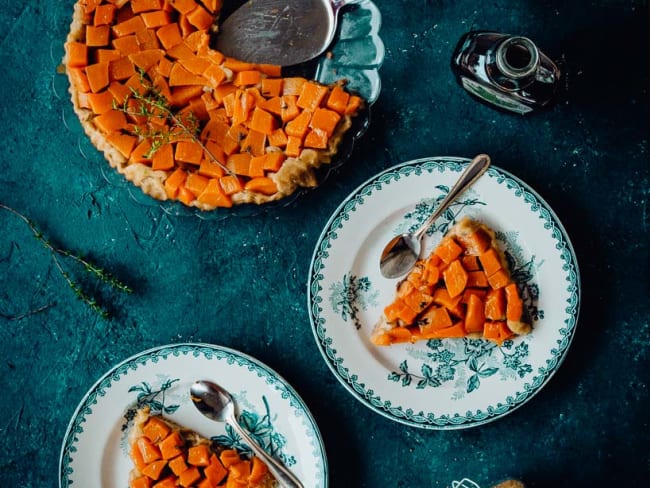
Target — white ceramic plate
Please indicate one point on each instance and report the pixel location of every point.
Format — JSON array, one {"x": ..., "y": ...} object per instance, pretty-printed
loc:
[
  {"x": 95, "y": 450},
  {"x": 451, "y": 383}
]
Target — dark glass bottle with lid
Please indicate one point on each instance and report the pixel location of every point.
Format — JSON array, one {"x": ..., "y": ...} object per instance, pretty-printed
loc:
[{"x": 508, "y": 72}]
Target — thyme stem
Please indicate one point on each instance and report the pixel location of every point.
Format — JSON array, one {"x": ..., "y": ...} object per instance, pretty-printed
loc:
[
  {"x": 214, "y": 159},
  {"x": 89, "y": 267},
  {"x": 40, "y": 309},
  {"x": 154, "y": 99}
]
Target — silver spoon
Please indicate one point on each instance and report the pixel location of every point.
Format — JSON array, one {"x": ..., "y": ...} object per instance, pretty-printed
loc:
[
  {"x": 402, "y": 251},
  {"x": 217, "y": 404}
]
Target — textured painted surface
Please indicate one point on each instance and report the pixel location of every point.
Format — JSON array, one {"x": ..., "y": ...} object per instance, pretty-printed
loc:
[{"x": 240, "y": 282}]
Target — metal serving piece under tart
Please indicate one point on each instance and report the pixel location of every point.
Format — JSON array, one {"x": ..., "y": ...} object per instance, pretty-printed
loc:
[{"x": 184, "y": 122}]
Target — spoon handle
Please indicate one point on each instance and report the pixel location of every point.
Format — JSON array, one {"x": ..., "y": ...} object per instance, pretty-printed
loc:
[
  {"x": 284, "y": 477},
  {"x": 474, "y": 170}
]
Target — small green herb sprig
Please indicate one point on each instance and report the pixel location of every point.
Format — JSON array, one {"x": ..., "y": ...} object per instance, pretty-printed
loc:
[
  {"x": 152, "y": 104},
  {"x": 58, "y": 253}
]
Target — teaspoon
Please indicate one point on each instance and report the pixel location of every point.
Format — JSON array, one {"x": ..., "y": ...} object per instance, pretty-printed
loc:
[
  {"x": 217, "y": 404},
  {"x": 402, "y": 251}
]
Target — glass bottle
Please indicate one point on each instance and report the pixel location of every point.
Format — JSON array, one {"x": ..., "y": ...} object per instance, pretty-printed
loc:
[{"x": 506, "y": 71}]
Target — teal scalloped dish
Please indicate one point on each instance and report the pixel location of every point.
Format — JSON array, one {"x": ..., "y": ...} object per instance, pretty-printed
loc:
[{"x": 355, "y": 55}]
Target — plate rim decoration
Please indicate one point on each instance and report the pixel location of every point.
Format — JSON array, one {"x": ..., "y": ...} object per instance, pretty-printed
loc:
[
  {"x": 364, "y": 383},
  {"x": 152, "y": 361}
]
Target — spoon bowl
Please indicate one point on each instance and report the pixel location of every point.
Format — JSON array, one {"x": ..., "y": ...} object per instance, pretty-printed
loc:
[
  {"x": 212, "y": 401},
  {"x": 403, "y": 251},
  {"x": 217, "y": 404}
]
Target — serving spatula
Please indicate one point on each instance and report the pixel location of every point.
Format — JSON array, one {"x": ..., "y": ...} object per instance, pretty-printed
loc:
[{"x": 282, "y": 32}]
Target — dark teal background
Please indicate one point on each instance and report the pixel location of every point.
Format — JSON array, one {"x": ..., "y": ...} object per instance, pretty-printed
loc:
[{"x": 241, "y": 281}]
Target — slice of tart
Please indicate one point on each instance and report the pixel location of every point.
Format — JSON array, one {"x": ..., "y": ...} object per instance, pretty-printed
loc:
[
  {"x": 184, "y": 122},
  {"x": 462, "y": 289},
  {"x": 166, "y": 455}
]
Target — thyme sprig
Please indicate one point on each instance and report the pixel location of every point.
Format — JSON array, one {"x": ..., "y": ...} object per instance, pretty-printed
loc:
[
  {"x": 29, "y": 313},
  {"x": 57, "y": 253},
  {"x": 153, "y": 104}
]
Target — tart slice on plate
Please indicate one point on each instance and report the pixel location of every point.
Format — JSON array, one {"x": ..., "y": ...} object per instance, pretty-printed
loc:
[
  {"x": 462, "y": 289},
  {"x": 167, "y": 455}
]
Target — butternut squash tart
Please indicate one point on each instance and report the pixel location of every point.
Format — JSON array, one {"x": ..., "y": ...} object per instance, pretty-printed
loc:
[
  {"x": 462, "y": 289},
  {"x": 184, "y": 122},
  {"x": 166, "y": 455}
]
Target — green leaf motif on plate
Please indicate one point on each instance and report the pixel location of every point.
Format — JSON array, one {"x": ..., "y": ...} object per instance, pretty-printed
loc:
[
  {"x": 151, "y": 397},
  {"x": 350, "y": 295},
  {"x": 261, "y": 429},
  {"x": 522, "y": 273},
  {"x": 424, "y": 208},
  {"x": 482, "y": 358}
]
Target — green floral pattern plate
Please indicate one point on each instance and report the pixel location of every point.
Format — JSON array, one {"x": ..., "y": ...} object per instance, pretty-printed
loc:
[
  {"x": 451, "y": 383},
  {"x": 95, "y": 448}
]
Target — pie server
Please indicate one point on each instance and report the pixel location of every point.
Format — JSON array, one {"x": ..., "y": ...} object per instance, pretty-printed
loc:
[{"x": 282, "y": 32}]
